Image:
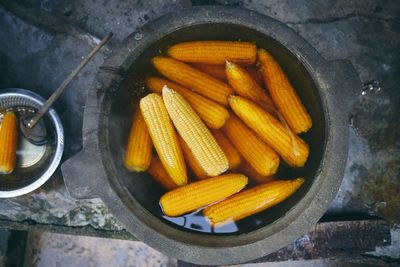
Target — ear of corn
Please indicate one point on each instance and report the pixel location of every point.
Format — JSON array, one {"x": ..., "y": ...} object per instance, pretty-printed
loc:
[
  {"x": 138, "y": 150},
  {"x": 256, "y": 74},
  {"x": 271, "y": 131},
  {"x": 214, "y": 52},
  {"x": 275, "y": 113},
  {"x": 8, "y": 142},
  {"x": 250, "y": 172},
  {"x": 193, "y": 79},
  {"x": 230, "y": 151},
  {"x": 244, "y": 85},
  {"x": 259, "y": 155},
  {"x": 159, "y": 174},
  {"x": 251, "y": 201},
  {"x": 213, "y": 114},
  {"x": 196, "y": 135},
  {"x": 216, "y": 71},
  {"x": 164, "y": 137},
  {"x": 283, "y": 94},
  {"x": 199, "y": 194},
  {"x": 192, "y": 161}
]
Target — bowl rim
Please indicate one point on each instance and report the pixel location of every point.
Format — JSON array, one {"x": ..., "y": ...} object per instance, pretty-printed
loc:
[
  {"x": 56, "y": 158},
  {"x": 297, "y": 220}
]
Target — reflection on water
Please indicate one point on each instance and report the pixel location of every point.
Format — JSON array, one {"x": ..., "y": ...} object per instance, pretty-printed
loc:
[
  {"x": 195, "y": 221},
  {"x": 28, "y": 154}
]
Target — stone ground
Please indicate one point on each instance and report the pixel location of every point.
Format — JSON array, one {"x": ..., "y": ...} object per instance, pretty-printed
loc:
[{"x": 365, "y": 32}]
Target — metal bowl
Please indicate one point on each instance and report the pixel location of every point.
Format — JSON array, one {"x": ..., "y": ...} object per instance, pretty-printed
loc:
[
  {"x": 35, "y": 164},
  {"x": 325, "y": 87}
]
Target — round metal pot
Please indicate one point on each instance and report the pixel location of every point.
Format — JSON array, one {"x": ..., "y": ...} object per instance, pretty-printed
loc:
[
  {"x": 325, "y": 87},
  {"x": 35, "y": 164}
]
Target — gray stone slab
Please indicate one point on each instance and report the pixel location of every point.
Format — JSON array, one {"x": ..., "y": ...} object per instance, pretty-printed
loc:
[{"x": 49, "y": 249}]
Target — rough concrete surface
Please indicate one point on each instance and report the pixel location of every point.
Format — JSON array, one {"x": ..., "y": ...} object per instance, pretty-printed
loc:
[
  {"x": 81, "y": 251},
  {"x": 365, "y": 32}
]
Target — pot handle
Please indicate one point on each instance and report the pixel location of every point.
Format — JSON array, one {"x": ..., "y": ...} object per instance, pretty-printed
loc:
[
  {"x": 82, "y": 174},
  {"x": 343, "y": 83}
]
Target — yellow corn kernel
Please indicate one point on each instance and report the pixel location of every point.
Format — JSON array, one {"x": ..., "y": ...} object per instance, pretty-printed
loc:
[
  {"x": 164, "y": 137},
  {"x": 283, "y": 94},
  {"x": 214, "y": 52},
  {"x": 193, "y": 79},
  {"x": 251, "y": 201},
  {"x": 217, "y": 71},
  {"x": 259, "y": 155},
  {"x": 157, "y": 170},
  {"x": 230, "y": 151},
  {"x": 8, "y": 142},
  {"x": 250, "y": 172},
  {"x": 213, "y": 114},
  {"x": 244, "y": 85},
  {"x": 271, "y": 131},
  {"x": 201, "y": 193},
  {"x": 138, "y": 150},
  {"x": 196, "y": 135},
  {"x": 192, "y": 161}
]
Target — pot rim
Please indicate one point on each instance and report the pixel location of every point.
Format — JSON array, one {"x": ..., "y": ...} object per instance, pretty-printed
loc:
[{"x": 298, "y": 220}]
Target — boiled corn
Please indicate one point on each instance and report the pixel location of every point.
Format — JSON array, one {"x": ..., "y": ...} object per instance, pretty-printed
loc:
[
  {"x": 270, "y": 130},
  {"x": 244, "y": 85},
  {"x": 192, "y": 161},
  {"x": 138, "y": 150},
  {"x": 196, "y": 135},
  {"x": 217, "y": 71},
  {"x": 199, "y": 194},
  {"x": 256, "y": 75},
  {"x": 259, "y": 155},
  {"x": 164, "y": 137},
  {"x": 157, "y": 170},
  {"x": 230, "y": 151},
  {"x": 250, "y": 172},
  {"x": 213, "y": 114},
  {"x": 214, "y": 52},
  {"x": 193, "y": 79},
  {"x": 251, "y": 201},
  {"x": 283, "y": 94},
  {"x": 8, "y": 142}
]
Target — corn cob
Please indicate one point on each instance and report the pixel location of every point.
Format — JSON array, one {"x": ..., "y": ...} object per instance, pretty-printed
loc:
[
  {"x": 250, "y": 172},
  {"x": 259, "y": 155},
  {"x": 193, "y": 79},
  {"x": 256, "y": 75},
  {"x": 157, "y": 170},
  {"x": 213, "y": 114},
  {"x": 196, "y": 135},
  {"x": 271, "y": 131},
  {"x": 216, "y": 71},
  {"x": 199, "y": 194},
  {"x": 214, "y": 52},
  {"x": 275, "y": 113},
  {"x": 8, "y": 142},
  {"x": 192, "y": 161},
  {"x": 138, "y": 150},
  {"x": 244, "y": 85},
  {"x": 164, "y": 137},
  {"x": 230, "y": 151},
  {"x": 251, "y": 201},
  {"x": 283, "y": 94}
]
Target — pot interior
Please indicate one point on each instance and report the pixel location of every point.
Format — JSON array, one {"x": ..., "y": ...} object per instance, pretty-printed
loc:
[{"x": 145, "y": 192}]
